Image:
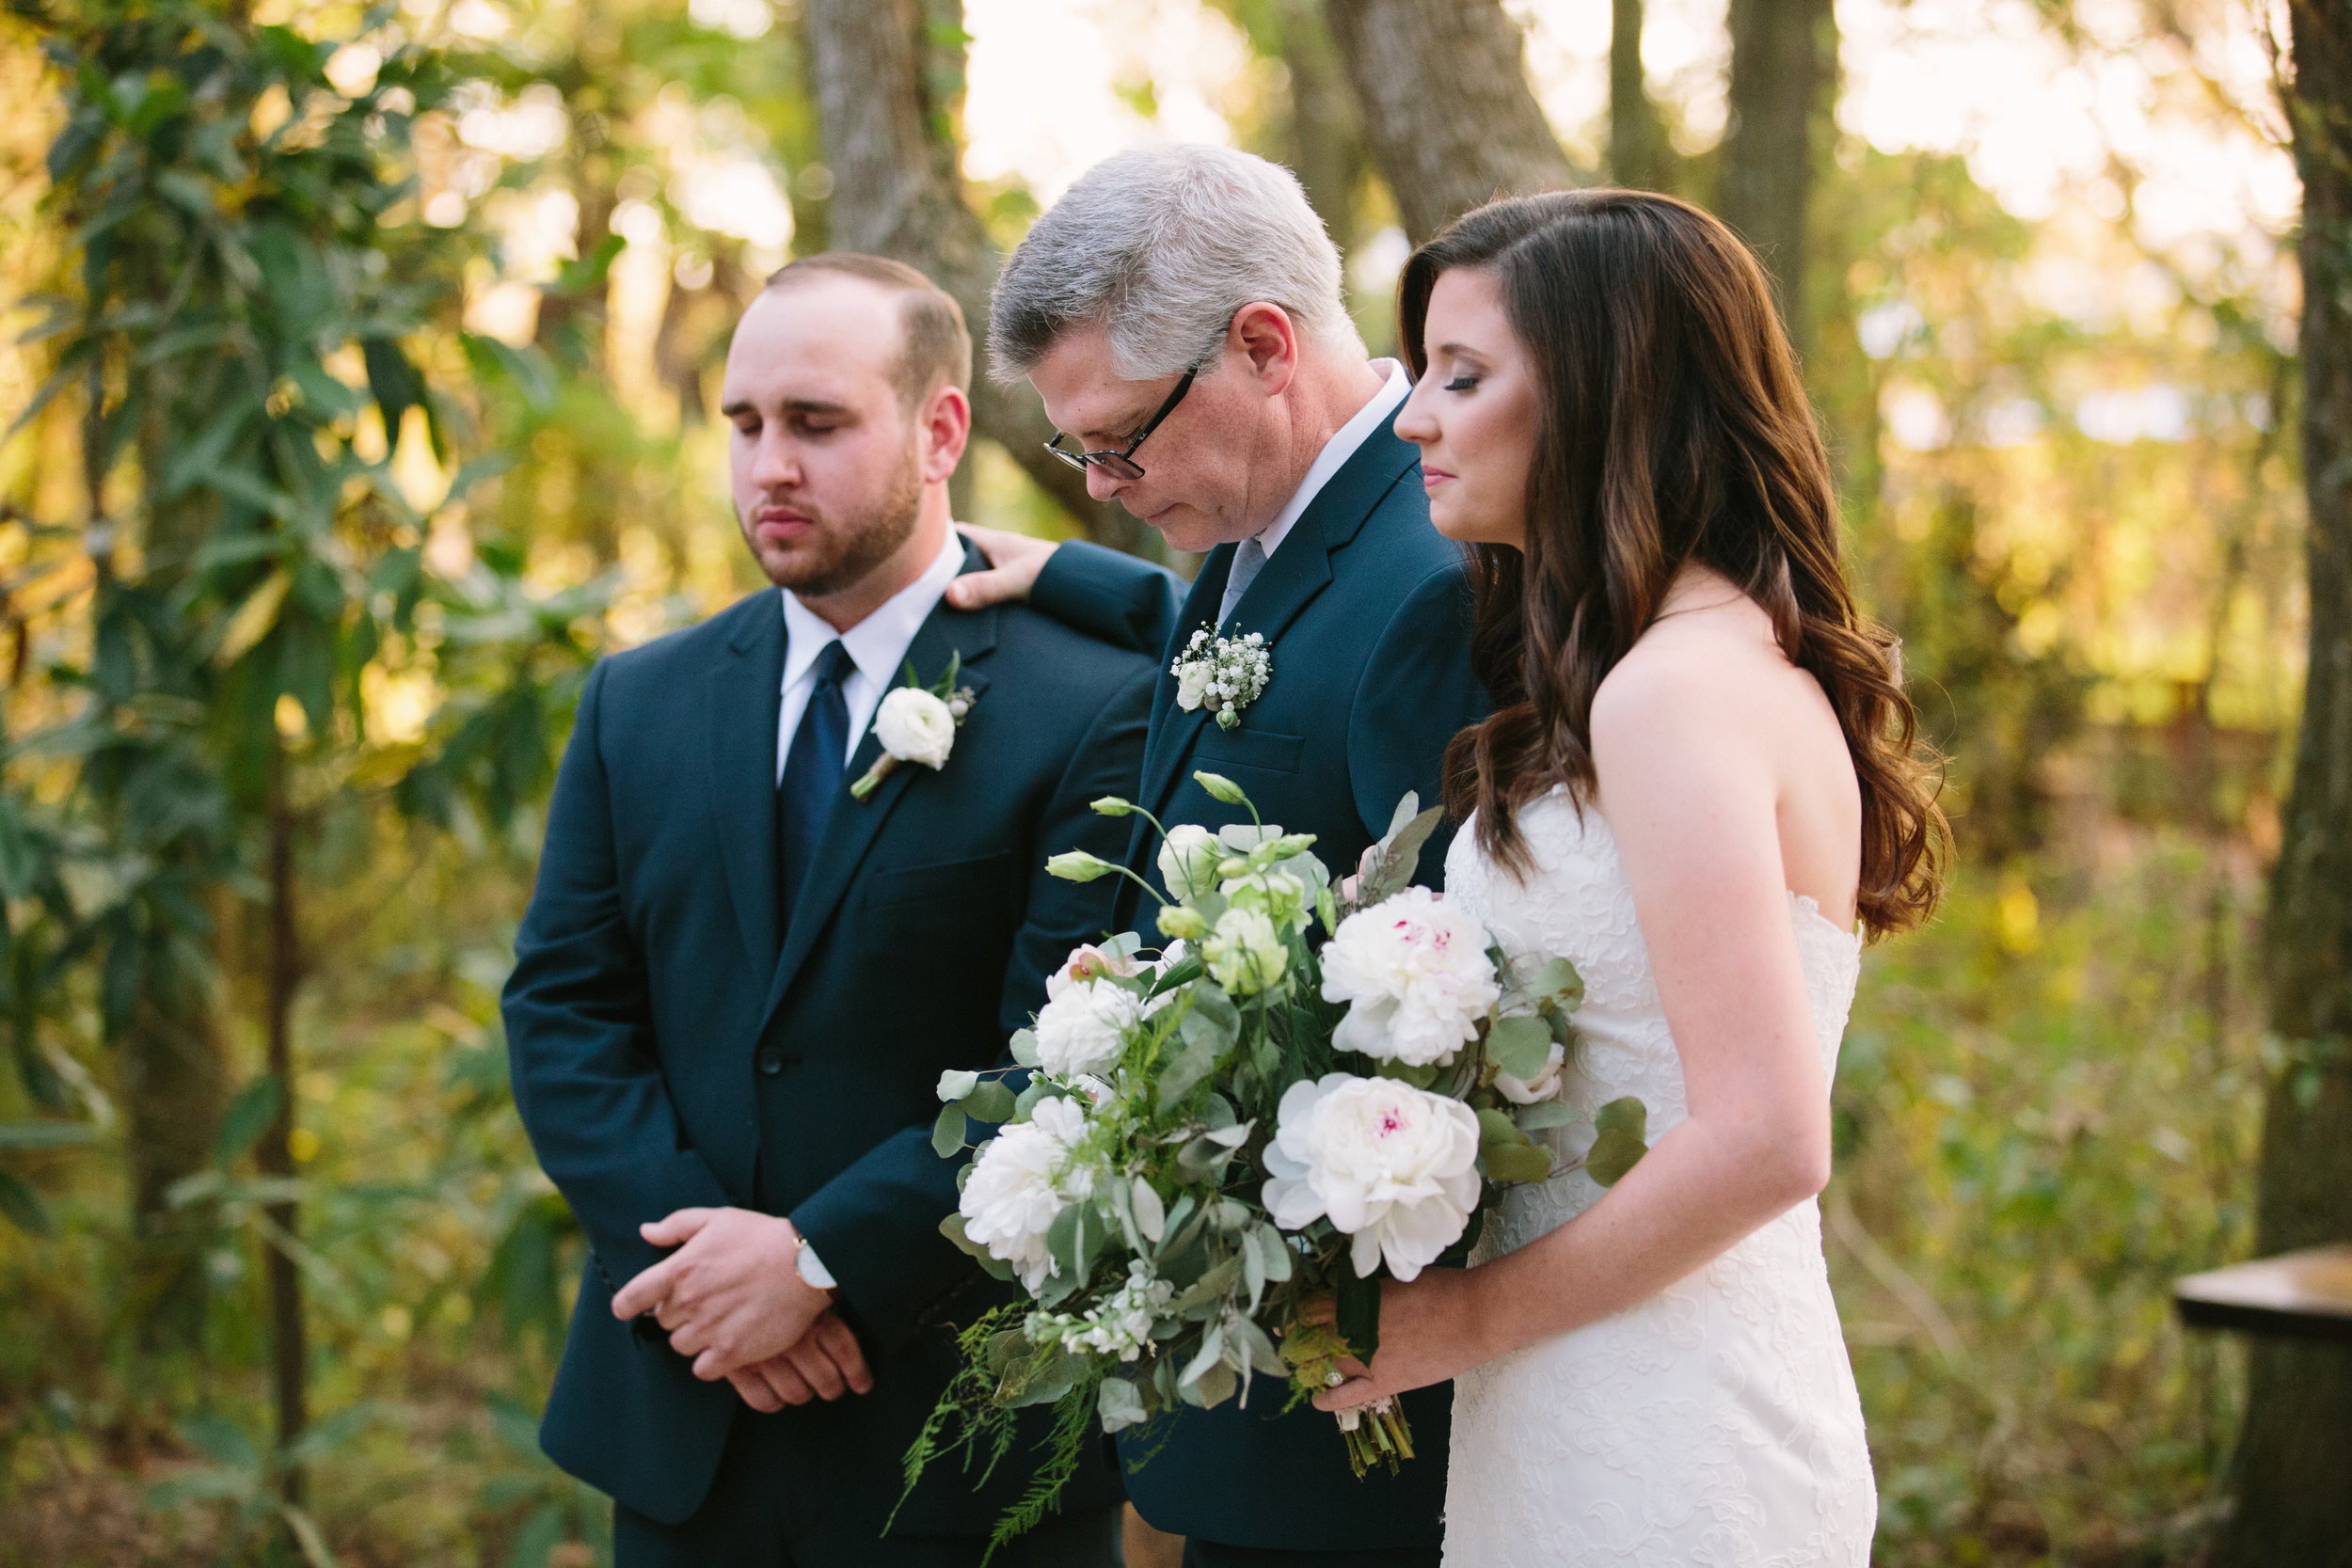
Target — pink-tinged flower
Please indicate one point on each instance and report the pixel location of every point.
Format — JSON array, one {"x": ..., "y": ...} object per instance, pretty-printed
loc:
[
  {"x": 1415, "y": 969},
  {"x": 1395, "y": 1167}
]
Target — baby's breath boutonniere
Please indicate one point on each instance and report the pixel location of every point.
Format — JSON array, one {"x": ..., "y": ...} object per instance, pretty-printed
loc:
[
  {"x": 1224, "y": 674},
  {"x": 916, "y": 723}
]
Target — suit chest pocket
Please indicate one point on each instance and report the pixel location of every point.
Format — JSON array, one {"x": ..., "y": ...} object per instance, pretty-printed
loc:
[
  {"x": 1249, "y": 748},
  {"x": 980, "y": 887}
]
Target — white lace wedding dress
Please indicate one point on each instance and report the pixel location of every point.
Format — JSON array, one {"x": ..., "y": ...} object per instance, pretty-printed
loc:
[{"x": 1716, "y": 1422}]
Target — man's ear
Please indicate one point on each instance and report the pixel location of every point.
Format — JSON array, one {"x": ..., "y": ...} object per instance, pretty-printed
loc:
[
  {"x": 1267, "y": 336},
  {"x": 943, "y": 428}
]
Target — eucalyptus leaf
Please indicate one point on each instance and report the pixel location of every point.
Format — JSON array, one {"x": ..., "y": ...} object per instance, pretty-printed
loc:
[
  {"x": 1619, "y": 1142},
  {"x": 1515, "y": 1162},
  {"x": 1025, "y": 1047},
  {"x": 1496, "y": 1127},
  {"x": 1542, "y": 1115},
  {"x": 990, "y": 1100},
  {"x": 948, "y": 1132},
  {"x": 1558, "y": 982},
  {"x": 1520, "y": 1046}
]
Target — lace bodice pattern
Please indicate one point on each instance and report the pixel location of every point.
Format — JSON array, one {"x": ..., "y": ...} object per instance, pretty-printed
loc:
[{"x": 1716, "y": 1422}]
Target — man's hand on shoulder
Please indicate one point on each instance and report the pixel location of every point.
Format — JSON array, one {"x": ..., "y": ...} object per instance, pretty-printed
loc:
[
  {"x": 1014, "y": 561},
  {"x": 731, "y": 1296}
]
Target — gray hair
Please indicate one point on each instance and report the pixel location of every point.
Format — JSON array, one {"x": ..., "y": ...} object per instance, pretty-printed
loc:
[{"x": 1163, "y": 244}]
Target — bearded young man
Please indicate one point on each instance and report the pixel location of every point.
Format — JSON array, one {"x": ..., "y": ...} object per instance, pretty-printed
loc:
[{"x": 738, "y": 983}]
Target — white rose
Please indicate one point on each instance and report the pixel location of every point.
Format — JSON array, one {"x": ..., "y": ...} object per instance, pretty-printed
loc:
[
  {"x": 1189, "y": 856},
  {"x": 1544, "y": 1085},
  {"x": 1192, "y": 684},
  {"x": 1018, "y": 1186},
  {"x": 1394, "y": 1167},
  {"x": 1082, "y": 1029},
  {"x": 1415, "y": 968},
  {"x": 914, "y": 726}
]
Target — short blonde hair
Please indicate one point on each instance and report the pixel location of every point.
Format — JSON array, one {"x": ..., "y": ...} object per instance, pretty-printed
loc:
[{"x": 937, "y": 347}]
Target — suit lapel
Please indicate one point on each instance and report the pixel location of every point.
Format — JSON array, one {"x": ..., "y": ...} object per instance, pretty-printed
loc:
[
  {"x": 1292, "y": 577},
  {"x": 854, "y": 825},
  {"x": 742, "y": 697},
  {"x": 1173, "y": 730}
]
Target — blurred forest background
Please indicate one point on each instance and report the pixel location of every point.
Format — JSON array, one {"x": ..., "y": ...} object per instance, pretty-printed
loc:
[{"x": 361, "y": 392}]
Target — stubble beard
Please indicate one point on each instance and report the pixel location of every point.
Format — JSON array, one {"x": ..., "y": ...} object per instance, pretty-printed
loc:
[{"x": 859, "y": 546}]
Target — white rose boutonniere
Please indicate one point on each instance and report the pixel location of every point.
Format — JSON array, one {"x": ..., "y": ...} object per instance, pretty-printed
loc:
[
  {"x": 1224, "y": 674},
  {"x": 916, "y": 723}
]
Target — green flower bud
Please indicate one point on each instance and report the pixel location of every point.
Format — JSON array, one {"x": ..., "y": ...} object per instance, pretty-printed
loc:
[
  {"x": 1076, "y": 866},
  {"x": 1222, "y": 788},
  {"x": 1244, "y": 953},
  {"x": 1181, "y": 921},
  {"x": 1111, "y": 805}
]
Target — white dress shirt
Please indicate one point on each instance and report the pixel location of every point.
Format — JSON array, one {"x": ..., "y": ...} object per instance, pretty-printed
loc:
[
  {"x": 1395, "y": 388},
  {"x": 878, "y": 646}
]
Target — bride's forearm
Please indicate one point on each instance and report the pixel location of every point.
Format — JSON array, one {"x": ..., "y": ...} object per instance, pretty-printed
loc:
[{"x": 1690, "y": 1199}]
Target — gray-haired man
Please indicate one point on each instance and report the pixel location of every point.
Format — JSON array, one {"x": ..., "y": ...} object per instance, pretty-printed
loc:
[{"x": 1180, "y": 312}]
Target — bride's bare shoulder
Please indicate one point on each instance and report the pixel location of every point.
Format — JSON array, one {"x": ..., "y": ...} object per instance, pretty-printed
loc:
[{"x": 1708, "y": 666}]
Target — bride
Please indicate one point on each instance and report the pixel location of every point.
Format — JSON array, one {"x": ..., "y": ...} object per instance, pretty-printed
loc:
[{"x": 1698, "y": 780}]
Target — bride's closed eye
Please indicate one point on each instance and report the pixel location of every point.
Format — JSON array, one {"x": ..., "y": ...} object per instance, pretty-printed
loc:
[{"x": 1462, "y": 383}]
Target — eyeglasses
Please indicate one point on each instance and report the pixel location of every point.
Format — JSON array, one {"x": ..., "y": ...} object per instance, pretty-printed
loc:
[{"x": 1123, "y": 463}]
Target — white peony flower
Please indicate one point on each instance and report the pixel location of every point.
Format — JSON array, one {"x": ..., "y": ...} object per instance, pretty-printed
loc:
[
  {"x": 1019, "y": 1183},
  {"x": 1544, "y": 1085},
  {"x": 1192, "y": 685},
  {"x": 1416, "y": 969},
  {"x": 1189, "y": 856},
  {"x": 1081, "y": 1030},
  {"x": 1394, "y": 1167},
  {"x": 914, "y": 726}
]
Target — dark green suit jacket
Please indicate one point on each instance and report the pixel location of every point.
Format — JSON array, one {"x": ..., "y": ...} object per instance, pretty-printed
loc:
[
  {"x": 1367, "y": 608},
  {"x": 678, "y": 1039}
]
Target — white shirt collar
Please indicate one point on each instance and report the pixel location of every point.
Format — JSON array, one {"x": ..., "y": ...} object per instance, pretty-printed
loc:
[
  {"x": 1396, "y": 386},
  {"x": 878, "y": 644}
]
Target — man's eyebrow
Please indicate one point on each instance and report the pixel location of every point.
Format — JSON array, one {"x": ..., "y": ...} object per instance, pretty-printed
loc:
[
  {"x": 789, "y": 406},
  {"x": 1118, "y": 428}
]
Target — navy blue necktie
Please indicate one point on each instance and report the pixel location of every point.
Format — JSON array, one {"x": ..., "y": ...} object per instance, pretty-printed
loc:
[{"x": 812, "y": 775}]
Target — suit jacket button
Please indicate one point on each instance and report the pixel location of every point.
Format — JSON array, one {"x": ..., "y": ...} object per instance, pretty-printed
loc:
[{"x": 772, "y": 1061}]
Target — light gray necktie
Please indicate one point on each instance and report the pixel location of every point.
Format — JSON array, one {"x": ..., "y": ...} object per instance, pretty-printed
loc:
[{"x": 1249, "y": 562}]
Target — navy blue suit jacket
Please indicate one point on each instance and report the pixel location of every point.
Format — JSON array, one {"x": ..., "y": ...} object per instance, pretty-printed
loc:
[
  {"x": 678, "y": 1039},
  {"x": 1366, "y": 608}
]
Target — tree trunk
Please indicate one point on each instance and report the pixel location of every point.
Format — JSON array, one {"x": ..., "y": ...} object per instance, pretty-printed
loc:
[
  {"x": 887, "y": 86},
  {"x": 2295, "y": 1451},
  {"x": 1784, "y": 65},
  {"x": 289, "y": 1342},
  {"x": 1447, "y": 111},
  {"x": 175, "y": 1071},
  {"x": 1323, "y": 135},
  {"x": 1639, "y": 158}
]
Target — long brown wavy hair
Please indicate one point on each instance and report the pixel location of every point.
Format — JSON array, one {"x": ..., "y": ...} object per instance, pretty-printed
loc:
[{"x": 1672, "y": 431}]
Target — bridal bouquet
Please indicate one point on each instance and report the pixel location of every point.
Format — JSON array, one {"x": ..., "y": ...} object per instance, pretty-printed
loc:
[{"x": 1215, "y": 1131}]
